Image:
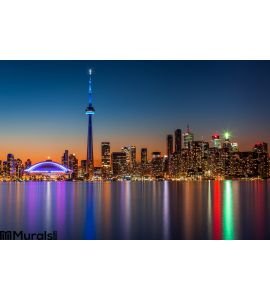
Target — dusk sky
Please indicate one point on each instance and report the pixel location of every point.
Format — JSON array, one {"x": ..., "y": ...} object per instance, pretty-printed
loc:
[{"x": 137, "y": 103}]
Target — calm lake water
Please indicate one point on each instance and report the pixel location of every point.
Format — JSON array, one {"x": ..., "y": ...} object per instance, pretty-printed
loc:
[{"x": 138, "y": 210}]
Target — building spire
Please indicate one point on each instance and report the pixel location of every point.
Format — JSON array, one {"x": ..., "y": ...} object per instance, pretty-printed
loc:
[
  {"x": 90, "y": 87},
  {"x": 90, "y": 109}
]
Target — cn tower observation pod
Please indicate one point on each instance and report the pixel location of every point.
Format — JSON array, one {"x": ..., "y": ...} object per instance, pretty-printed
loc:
[{"x": 48, "y": 167}]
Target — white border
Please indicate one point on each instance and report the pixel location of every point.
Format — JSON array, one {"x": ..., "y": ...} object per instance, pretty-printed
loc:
[
  {"x": 141, "y": 29},
  {"x": 121, "y": 29},
  {"x": 134, "y": 270}
]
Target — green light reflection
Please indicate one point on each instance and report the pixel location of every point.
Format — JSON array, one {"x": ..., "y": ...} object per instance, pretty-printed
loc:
[{"x": 228, "y": 213}]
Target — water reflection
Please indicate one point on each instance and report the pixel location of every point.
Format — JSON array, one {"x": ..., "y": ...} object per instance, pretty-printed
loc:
[
  {"x": 166, "y": 212},
  {"x": 228, "y": 214},
  {"x": 126, "y": 210},
  {"x": 139, "y": 210},
  {"x": 259, "y": 211},
  {"x": 209, "y": 211},
  {"x": 217, "y": 211},
  {"x": 48, "y": 206},
  {"x": 89, "y": 229}
]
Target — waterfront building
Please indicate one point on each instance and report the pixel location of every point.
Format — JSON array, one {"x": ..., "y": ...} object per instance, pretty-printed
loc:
[
  {"x": 234, "y": 147},
  {"x": 157, "y": 165},
  {"x": 214, "y": 162},
  {"x": 178, "y": 140},
  {"x": 145, "y": 167},
  {"x": 144, "y": 156},
  {"x": 188, "y": 138},
  {"x": 168, "y": 163},
  {"x": 105, "y": 160},
  {"x": 260, "y": 148},
  {"x": 130, "y": 152},
  {"x": 175, "y": 164},
  {"x": 48, "y": 170},
  {"x": 28, "y": 163},
  {"x": 169, "y": 145},
  {"x": 261, "y": 160},
  {"x": 216, "y": 141},
  {"x": 73, "y": 165},
  {"x": 197, "y": 158},
  {"x": 11, "y": 165},
  {"x": 119, "y": 164},
  {"x": 19, "y": 168},
  {"x": 65, "y": 157},
  {"x": 83, "y": 169}
]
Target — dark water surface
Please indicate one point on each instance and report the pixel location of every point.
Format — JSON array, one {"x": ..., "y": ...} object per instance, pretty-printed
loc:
[{"x": 138, "y": 210}]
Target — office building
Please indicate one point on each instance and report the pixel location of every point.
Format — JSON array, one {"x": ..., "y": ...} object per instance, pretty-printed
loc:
[
  {"x": 105, "y": 159},
  {"x": 178, "y": 140},
  {"x": 188, "y": 138},
  {"x": 119, "y": 164}
]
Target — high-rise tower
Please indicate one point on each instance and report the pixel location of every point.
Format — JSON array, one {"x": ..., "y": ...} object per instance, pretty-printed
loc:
[
  {"x": 178, "y": 140},
  {"x": 105, "y": 159},
  {"x": 90, "y": 111},
  {"x": 169, "y": 145},
  {"x": 188, "y": 138}
]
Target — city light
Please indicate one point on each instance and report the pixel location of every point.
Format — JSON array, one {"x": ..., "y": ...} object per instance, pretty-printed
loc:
[
  {"x": 228, "y": 217},
  {"x": 47, "y": 167},
  {"x": 227, "y": 135},
  {"x": 186, "y": 158}
]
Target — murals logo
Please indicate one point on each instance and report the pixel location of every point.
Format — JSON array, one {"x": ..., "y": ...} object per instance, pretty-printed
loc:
[{"x": 21, "y": 235}]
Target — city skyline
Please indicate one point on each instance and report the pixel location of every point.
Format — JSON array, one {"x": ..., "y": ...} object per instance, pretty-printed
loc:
[{"x": 46, "y": 128}]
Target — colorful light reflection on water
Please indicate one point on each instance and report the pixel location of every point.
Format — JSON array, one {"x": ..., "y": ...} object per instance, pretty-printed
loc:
[
  {"x": 228, "y": 213},
  {"x": 139, "y": 210}
]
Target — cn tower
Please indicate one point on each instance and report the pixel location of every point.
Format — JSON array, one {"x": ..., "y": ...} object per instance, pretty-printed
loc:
[{"x": 90, "y": 111}]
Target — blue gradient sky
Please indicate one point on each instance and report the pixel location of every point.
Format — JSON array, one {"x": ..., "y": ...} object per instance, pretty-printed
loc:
[{"x": 136, "y": 102}]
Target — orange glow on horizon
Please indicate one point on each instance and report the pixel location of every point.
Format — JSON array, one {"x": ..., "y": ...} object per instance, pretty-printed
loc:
[{"x": 26, "y": 147}]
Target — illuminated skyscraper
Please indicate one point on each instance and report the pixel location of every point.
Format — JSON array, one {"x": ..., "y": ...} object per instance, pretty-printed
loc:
[
  {"x": 168, "y": 157},
  {"x": 144, "y": 162},
  {"x": 169, "y": 145},
  {"x": 216, "y": 141},
  {"x": 157, "y": 164},
  {"x": 130, "y": 156},
  {"x": 144, "y": 156},
  {"x": 260, "y": 148},
  {"x": 198, "y": 157},
  {"x": 28, "y": 163},
  {"x": 90, "y": 111},
  {"x": 261, "y": 160},
  {"x": 11, "y": 165},
  {"x": 133, "y": 157},
  {"x": 235, "y": 147},
  {"x": 227, "y": 144},
  {"x": 105, "y": 159},
  {"x": 119, "y": 163},
  {"x": 65, "y": 159},
  {"x": 73, "y": 165},
  {"x": 19, "y": 168},
  {"x": 178, "y": 140},
  {"x": 5, "y": 171},
  {"x": 188, "y": 138},
  {"x": 83, "y": 168}
]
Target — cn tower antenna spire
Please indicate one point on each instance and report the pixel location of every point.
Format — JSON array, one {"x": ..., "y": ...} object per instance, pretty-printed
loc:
[
  {"x": 90, "y": 109},
  {"x": 90, "y": 87}
]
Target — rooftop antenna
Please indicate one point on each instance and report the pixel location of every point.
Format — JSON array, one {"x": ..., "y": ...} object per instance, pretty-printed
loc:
[{"x": 90, "y": 71}]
